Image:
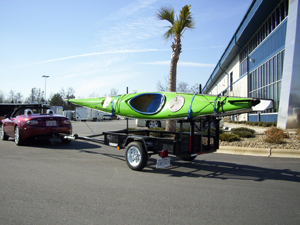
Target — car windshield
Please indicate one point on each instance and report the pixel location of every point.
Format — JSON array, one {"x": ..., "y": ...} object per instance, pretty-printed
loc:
[{"x": 20, "y": 111}]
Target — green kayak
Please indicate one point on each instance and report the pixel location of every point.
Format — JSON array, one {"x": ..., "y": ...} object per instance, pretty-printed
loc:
[{"x": 172, "y": 105}]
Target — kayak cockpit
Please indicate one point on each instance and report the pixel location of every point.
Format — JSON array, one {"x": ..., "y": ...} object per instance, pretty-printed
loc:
[{"x": 147, "y": 104}]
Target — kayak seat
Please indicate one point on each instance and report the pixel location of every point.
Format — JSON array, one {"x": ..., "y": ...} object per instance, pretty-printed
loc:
[
  {"x": 153, "y": 106},
  {"x": 147, "y": 103}
]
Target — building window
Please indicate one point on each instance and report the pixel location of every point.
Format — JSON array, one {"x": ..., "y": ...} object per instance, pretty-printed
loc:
[
  {"x": 278, "y": 15},
  {"x": 265, "y": 81},
  {"x": 231, "y": 80}
]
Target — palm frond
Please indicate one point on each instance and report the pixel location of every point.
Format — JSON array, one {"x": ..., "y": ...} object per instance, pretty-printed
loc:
[
  {"x": 179, "y": 23},
  {"x": 166, "y": 13},
  {"x": 168, "y": 34}
]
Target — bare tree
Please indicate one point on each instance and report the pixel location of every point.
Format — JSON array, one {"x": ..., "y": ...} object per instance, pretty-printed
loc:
[
  {"x": 36, "y": 95},
  {"x": 114, "y": 92},
  {"x": 11, "y": 96},
  {"x": 183, "y": 87},
  {"x": 2, "y": 97},
  {"x": 18, "y": 97}
]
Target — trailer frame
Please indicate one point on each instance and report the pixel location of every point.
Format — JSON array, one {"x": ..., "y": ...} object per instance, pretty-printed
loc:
[{"x": 141, "y": 144}]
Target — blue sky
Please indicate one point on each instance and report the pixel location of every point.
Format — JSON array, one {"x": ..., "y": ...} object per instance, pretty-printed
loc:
[{"x": 94, "y": 45}]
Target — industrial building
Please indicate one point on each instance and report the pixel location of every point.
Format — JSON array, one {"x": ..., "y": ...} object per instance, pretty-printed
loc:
[{"x": 262, "y": 60}]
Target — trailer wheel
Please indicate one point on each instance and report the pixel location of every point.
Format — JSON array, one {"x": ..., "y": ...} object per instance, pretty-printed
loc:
[
  {"x": 188, "y": 157},
  {"x": 136, "y": 156}
]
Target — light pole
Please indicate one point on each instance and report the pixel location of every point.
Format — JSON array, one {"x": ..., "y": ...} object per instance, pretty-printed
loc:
[{"x": 45, "y": 76}]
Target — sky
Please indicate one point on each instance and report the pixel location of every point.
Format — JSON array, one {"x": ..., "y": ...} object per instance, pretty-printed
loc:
[{"x": 94, "y": 46}]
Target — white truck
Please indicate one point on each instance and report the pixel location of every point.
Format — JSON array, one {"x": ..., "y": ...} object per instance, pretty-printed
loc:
[{"x": 84, "y": 114}]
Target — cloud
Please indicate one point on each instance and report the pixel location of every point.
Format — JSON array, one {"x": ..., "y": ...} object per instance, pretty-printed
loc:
[
  {"x": 181, "y": 64},
  {"x": 133, "y": 8},
  {"x": 97, "y": 53}
]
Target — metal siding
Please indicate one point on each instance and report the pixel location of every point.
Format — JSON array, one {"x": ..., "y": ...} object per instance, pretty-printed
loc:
[
  {"x": 253, "y": 117},
  {"x": 273, "y": 44},
  {"x": 269, "y": 118}
]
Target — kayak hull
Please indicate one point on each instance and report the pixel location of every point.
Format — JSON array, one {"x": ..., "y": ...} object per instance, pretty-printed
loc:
[{"x": 170, "y": 105}]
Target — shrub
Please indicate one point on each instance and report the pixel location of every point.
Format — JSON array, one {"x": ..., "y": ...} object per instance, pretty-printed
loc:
[
  {"x": 275, "y": 135},
  {"x": 245, "y": 134},
  {"x": 270, "y": 124},
  {"x": 243, "y": 129},
  {"x": 229, "y": 137}
]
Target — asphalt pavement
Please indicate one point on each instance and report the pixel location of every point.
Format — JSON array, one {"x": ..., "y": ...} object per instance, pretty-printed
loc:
[{"x": 87, "y": 183}]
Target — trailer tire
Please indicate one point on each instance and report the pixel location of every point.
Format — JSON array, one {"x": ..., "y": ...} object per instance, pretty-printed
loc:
[
  {"x": 136, "y": 156},
  {"x": 188, "y": 157}
]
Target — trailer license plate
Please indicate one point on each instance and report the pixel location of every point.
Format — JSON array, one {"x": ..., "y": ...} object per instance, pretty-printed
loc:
[
  {"x": 51, "y": 123},
  {"x": 163, "y": 162}
]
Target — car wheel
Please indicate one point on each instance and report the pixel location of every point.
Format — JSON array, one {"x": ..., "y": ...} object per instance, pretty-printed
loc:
[
  {"x": 153, "y": 124},
  {"x": 136, "y": 156},
  {"x": 18, "y": 138},
  {"x": 3, "y": 135}
]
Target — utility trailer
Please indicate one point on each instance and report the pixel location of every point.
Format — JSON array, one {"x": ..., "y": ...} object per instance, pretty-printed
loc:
[{"x": 139, "y": 145}]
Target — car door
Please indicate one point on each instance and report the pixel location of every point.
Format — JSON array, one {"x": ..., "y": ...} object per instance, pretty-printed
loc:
[
  {"x": 9, "y": 126},
  {"x": 10, "y": 123}
]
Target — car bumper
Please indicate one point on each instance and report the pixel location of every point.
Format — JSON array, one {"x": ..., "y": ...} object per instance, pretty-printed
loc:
[{"x": 32, "y": 132}]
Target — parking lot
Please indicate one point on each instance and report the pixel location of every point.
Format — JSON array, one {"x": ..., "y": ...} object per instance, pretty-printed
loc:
[{"x": 88, "y": 183}]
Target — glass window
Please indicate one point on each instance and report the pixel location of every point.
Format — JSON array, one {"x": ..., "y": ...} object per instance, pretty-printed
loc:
[
  {"x": 278, "y": 89},
  {"x": 271, "y": 71},
  {"x": 271, "y": 92},
  {"x": 231, "y": 80},
  {"x": 275, "y": 68},
  {"x": 279, "y": 64}
]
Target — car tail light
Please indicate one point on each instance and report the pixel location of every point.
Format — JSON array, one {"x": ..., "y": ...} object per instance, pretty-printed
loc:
[
  {"x": 65, "y": 122},
  {"x": 32, "y": 122}
]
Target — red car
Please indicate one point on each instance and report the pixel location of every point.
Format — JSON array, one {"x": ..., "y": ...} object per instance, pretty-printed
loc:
[{"x": 35, "y": 123}]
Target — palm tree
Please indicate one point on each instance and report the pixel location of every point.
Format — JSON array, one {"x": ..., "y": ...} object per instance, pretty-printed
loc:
[{"x": 179, "y": 25}]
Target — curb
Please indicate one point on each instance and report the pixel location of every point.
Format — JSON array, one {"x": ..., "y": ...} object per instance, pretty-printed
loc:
[{"x": 284, "y": 153}]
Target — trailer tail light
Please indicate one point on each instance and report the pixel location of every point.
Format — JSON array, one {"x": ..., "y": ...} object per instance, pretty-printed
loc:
[{"x": 163, "y": 153}]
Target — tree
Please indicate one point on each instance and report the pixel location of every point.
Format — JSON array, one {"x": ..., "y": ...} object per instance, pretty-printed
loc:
[
  {"x": 58, "y": 99},
  {"x": 11, "y": 97},
  {"x": 181, "y": 86},
  {"x": 2, "y": 97},
  {"x": 36, "y": 95},
  {"x": 114, "y": 92},
  {"x": 18, "y": 97},
  {"x": 179, "y": 25}
]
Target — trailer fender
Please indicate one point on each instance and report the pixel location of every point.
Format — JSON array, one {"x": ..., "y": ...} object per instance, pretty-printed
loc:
[{"x": 136, "y": 138}]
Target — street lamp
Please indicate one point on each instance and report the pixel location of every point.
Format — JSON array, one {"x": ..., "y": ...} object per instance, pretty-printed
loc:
[{"x": 45, "y": 76}]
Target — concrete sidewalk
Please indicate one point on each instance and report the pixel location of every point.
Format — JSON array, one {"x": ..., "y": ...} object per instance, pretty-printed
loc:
[
  {"x": 267, "y": 152},
  {"x": 284, "y": 153}
]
